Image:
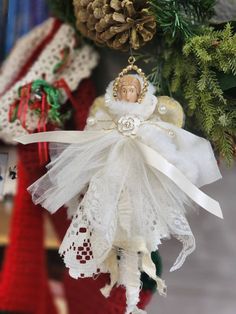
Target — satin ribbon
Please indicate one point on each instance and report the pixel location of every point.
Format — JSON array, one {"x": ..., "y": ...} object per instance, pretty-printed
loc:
[
  {"x": 43, "y": 147},
  {"x": 62, "y": 84},
  {"x": 152, "y": 158},
  {"x": 23, "y": 105}
]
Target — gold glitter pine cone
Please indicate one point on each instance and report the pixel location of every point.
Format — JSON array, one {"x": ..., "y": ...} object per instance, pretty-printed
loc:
[{"x": 119, "y": 24}]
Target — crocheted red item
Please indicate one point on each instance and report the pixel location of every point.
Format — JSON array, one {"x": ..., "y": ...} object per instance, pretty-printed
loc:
[
  {"x": 24, "y": 281},
  {"x": 35, "y": 54},
  {"x": 85, "y": 94}
]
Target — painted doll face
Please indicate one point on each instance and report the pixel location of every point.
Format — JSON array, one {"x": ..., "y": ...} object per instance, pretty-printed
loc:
[{"x": 129, "y": 89}]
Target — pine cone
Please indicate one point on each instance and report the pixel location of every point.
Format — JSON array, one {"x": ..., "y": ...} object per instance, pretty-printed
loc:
[{"x": 119, "y": 24}]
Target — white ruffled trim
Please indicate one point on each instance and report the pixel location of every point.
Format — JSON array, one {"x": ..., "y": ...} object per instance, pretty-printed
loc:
[
  {"x": 82, "y": 62},
  {"x": 22, "y": 51}
]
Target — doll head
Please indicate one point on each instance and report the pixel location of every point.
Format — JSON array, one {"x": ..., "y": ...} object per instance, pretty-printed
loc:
[
  {"x": 129, "y": 89},
  {"x": 128, "y": 98}
]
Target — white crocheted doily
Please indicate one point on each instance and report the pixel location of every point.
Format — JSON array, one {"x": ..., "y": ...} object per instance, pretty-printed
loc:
[
  {"x": 21, "y": 52},
  {"x": 81, "y": 63}
]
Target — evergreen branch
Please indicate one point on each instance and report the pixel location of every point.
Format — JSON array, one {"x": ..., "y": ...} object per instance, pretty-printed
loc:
[
  {"x": 224, "y": 143},
  {"x": 194, "y": 72},
  {"x": 181, "y": 18}
]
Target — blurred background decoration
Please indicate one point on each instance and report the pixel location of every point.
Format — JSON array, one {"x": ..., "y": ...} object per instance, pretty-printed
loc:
[
  {"x": 209, "y": 278},
  {"x": 191, "y": 56},
  {"x": 18, "y": 18}
]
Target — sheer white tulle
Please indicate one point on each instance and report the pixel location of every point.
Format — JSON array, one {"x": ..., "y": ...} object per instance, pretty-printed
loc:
[{"x": 112, "y": 164}]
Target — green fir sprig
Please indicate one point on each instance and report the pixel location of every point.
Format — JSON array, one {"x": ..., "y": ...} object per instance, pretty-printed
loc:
[
  {"x": 196, "y": 75},
  {"x": 181, "y": 18}
]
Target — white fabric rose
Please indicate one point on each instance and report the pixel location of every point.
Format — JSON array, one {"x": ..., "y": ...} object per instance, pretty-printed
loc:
[{"x": 128, "y": 125}]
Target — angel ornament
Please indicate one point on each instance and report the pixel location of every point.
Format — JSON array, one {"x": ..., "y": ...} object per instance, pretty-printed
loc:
[{"x": 129, "y": 179}]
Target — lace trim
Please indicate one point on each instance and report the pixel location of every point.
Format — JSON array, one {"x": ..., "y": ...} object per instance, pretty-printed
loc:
[
  {"x": 189, "y": 246},
  {"x": 82, "y": 61},
  {"x": 21, "y": 52},
  {"x": 76, "y": 249},
  {"x": 180, "y": 229}
]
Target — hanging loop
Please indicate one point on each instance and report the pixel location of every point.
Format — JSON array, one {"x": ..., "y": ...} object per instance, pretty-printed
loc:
[{"x": 131, "y": 60}]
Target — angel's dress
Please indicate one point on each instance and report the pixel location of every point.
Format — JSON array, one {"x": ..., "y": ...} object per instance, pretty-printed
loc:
[{"x": 128, "y": 206}]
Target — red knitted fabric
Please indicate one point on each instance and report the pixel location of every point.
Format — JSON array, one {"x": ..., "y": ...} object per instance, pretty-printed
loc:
[
  {"x": 24, "y": 283},
  {"x": 85, "y": 95}
]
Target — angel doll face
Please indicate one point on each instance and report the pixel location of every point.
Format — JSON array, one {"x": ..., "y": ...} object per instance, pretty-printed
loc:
[{"x": 129, "y": 89}]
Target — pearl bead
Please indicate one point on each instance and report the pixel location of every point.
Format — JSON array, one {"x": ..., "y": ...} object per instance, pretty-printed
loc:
[
  {"x": 171, "y": 133},
  {"x": 91, "y": 121},
  {"x": 162, "y": 109}
]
